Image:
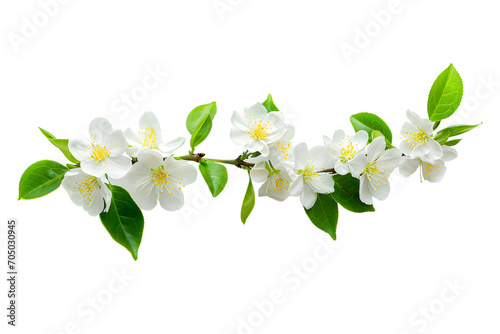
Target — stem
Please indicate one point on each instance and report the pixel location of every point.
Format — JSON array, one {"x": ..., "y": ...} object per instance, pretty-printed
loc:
[
  {"x": 328, "y": 170},
  {"x": 238, "y": 162}
]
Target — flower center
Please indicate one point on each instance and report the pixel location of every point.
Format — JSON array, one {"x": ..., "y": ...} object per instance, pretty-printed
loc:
[
  {"x": 99, "y": 153},
  {"x": 347, "y": 152},
  {"x": 375, "y": 175},
  {"x": 284, "y": 149},
  {"x": 87, "y": 187},
  {"x": 160, "y": 178},
  {"x": 416, "y": 137},
  {"x": 259, "y": 130},
  {"x": 149, "y": 138},
  {"x": 308, "y": 174}
]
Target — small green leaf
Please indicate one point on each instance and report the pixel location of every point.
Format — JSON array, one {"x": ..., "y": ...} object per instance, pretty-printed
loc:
[
  {"x": 41, "y": 178},
  {"x": 435, "y": 126},
  {"x": 248, "y": 201},
  {"x": 269, "y": 104},
  {"x": 199, "y": 123},
  {"x": 201, "y": 133},
  {"x": 199, "y": 114},
  {"x": 453, "y": 142},
  {"x": 124, "y": 220},
  {"x": 325, "y": 214},
  {"x": 215, "y": 176},
  {"x": 454, "y": 130},
  {"x": 445, "y": 95},
  {"x": 347, "y": 194},
  {"x": 61, "y": 144},
  {"x": 370, "y": 122}
]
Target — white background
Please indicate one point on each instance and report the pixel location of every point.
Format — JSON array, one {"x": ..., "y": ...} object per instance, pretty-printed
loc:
[{"x": 201, "y": 270}]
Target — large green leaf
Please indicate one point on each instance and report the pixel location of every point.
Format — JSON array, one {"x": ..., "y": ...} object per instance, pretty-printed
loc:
[
  {"x": 452, "y": 131},
  {"x": 445, "y": 95},
  {"x": 215, "y": 176},
  {"x": 61, "y": 144},
  {"x": 199, "y": 123},
  {"x": 370, "y": 122},
  {"x": 347, "y": 194},
  {"x": 248, "y": 201},
  {"x": 325, "y": 214},
  {"x": 124, "y": 220},
  {"x": 269, "y": 104},
  {"x": 40, "y": 179}
]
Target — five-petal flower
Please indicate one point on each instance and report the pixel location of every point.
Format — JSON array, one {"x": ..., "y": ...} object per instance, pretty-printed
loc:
[
  {"x": 149, "y": 137},
  {"x": 344, "y": 148},
  {"x": 309, "y": 180},
  {"x": 417, "y": 138},
  {"x": 276, "y": 180},
  {"x": 432, "y": 171},
  {"x": 258, "y": 130},
  {"x": 373, "y": 170},
  {"x": 87, "y": 191},
  {"x": 154, "y": 179},
  {"x": 103, "y": 154}
]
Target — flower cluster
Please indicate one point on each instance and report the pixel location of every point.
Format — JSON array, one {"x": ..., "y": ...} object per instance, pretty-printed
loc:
[{"x": 115, "y": 174}]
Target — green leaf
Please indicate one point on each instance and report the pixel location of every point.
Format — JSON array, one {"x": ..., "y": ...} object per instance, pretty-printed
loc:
[
  {"x": 454, "y": 130},
  {"x": 452, "y": 142},
  {"x": 269, "y": 104},
  {"x": 325, "y": 214},
  {"x": 124, "y": 220},
  {"x": 369, "y": 123},
  {"x": 199, "y": 114},
  {"x": 199, "y": 123},
  {"x": 445, "y": 95},
  {"x": 435, "y": 126},
  {"x": 201, "y": 133},
  {"x": 248, "y": 201},
  {"x": 215, "y": 176},
  {"x": 61, "y": 144},
  {"x": 347, "y": 194},
  {"x": 40, "y": 179}
]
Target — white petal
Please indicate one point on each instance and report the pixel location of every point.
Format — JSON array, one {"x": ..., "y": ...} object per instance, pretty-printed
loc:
[
  {"x": 433, "y": 173},
  {"x": 240, "y": 137},
  {"x": 172, "y": 202},
  {"x": 116, "y": 143},
  {"x": 117, "y": 167},
  {"x": 324, "y": 184},
  {"x": 342, "y": 168},
  {"x": 99, "y": 127},
  {"x": 150, "y": 158},
  {"x": 297, "y": 186},
  {"x": 92, "y": 167},
  {"x": 172, "y": 145},
  {"x": 132, "y": 137},
  {"x": 375, "y": 149},
  {"x": 424, "y": 124},
  {"x": 79, "y": 149},
  {"x": 95, "y": 206},
  {"x": 301, "y": 154},
  {"x": 258, "y": 145},
  {"x": 181, "y": 170},
  {"x": 409, "y": 166},
  {"x": 360, "y": 139},
  {"x": 276, "y": 119},
  {"x": 239, "y": 122},
  {"x": 145, "y": 197},
  {"x": 290, "y": 133},
  {"x": 381, "y": 191},
  {"x": 149, "y": 120},
  {"x": 256, "y": 110},
  {"x": 308, "y": 197},
  {"x": 358, "y": 165},
  {"x": 259, "y": 173},
  {"x": 449, "y": 153},
  {"x": 365, "y": 194}
]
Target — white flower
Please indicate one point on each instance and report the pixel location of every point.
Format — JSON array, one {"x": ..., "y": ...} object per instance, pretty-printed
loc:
[
  {"x": 149, "y": 137},
  {"x": 276, "y": 180},
  {"x": 87, "y": 191},
  {"x": 258, "y": 130},
  {"x": 430, "y": 171},
  {"x": 153, "y": 180},
  {"x": 417, "y": 138},
  {"x": 104, "y": 153},
  {"x": 344, "y": 148},
  {"x": 373, "y": 170},
  {"x": 308, "y": 181}
]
